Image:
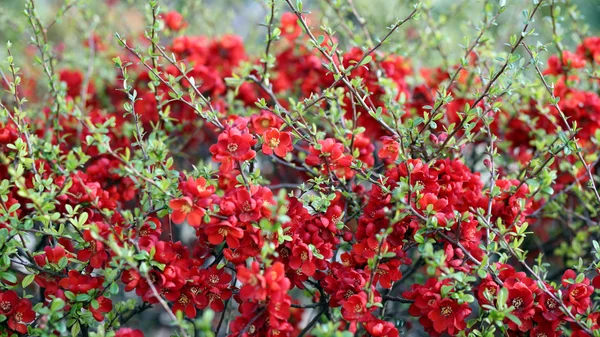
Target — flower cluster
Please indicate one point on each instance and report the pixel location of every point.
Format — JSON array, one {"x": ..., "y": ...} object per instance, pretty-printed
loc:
[{"x": 268, "y": 195}]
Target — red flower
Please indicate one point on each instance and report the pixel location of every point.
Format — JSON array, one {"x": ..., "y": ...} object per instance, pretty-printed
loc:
[
  {"x": 570, "y": 60},
  {"x": 449, "y": 316},
  {"x": 224, "y": 231},
  {"x": 331, "y": 155},
  {"x": 104, "y": 306},
  {"x": 544, "y": 330},
  {"x": 355, "y": 309},
  {"x": 263, "y": 122},
  {"x": 128, "y": 332},
  {"x": 577, "y": 294},
  {"x": 520, "y": 297},
  {"x": 183, "y": 208},
  {"x": 8, "y": 302},
  {"x": 387, "y": 273},
  {"x": 131, "y": 278},
  {"x": 389, "y": 149},
  {"x": 276, "y": 141},
  {"x": 233, "y": 145},
  {"x": 550, "y": 308},
  {"x": 174, "y": 21},
  {"x": 23, "y": 314},
  {"x": 52, "y": 255},
  {"x": 95, "y": 252},
  {"x": 489, "y": 288},
  {"x": 302, "y": 258},
  {"x": 289, "y": 26},
  {"x": 185, "y": 302},
  {"x": 199, "y": 187},
  {"x": 254, "y": 283},
  {"x": 380, "y": 328},
  {"x": 80, "y": 284},
  {"x": 432, "y": 199}
]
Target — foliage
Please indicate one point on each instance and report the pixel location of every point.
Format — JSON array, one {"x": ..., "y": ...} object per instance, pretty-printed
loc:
[{"x": 334, "y": 180}]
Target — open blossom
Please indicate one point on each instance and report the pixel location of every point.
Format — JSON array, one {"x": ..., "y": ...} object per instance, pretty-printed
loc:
[
  {"x": 279, "y": 142},
  {"x": 184, "y": 209},
  {"x": 8, "y": 302},
  {"x": 355, "y": 310},
  {"x": 448, "y": 316},
  {"x": 578, "y": 295},
  {"x": 22, "y": 315},
  {"x": 330, "y": 155},
  {"x": 389, "y": 148},
  {"x": 254, "y": 282},
  {"x": 302, "y": 258},
  {"x": 224, "y": 231},
  {"x": 264, "y": 121},
  {"x": 104, "y": 306},
  {"x": 199, "y": 188},
  {"x": 234, "y": 145}
]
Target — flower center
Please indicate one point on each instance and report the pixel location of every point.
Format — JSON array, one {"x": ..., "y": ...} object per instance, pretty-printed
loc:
[
  {"x": 446, "y": 311},
  {"x": 5, "y": 306},
  {"x": 222, "y": 232},
  {"x": 186, "y": 208},
  {"x": 183, "y": 299},
  {"x": 551, "y": 304},
  {"x": 348, "y": 294},
  {"x": 381, "y": 271},
  {"x": 232, "y": 147},
  {"x": 18, "y": 317},
  {"x": 304, "y": 256},
  {"x": 517, "y": 302},
  {"x": 213, "y": 278},
  {"x": 212, "y": 297},
  {"x": 247, "y": 207},
  {"x": 274, "y": 142},
  {"x": 358, "y": 308}
]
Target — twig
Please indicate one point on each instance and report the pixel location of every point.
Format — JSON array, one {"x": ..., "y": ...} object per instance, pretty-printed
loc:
[{"x": 572, "y": 132}]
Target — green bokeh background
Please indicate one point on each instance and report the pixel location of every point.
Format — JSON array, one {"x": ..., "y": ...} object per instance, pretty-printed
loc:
[{"x": 243, "y": 17}]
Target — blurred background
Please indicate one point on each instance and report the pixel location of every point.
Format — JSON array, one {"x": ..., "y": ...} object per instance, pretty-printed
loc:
[{"x": 450, "y": 18}]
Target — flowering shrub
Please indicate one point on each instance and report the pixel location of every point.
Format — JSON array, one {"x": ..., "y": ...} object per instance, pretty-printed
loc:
[{"x": 328, "y": 186}]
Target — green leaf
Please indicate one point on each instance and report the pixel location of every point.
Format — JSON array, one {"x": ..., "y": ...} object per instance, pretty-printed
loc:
[
  {"x": 9, "y": 277},
  {"x": 513, "y": 318},
  {"x": 366, "y": 60},
  {"x": 75, "y": 329},
  {"x": 57, "y": 304},
  {"x": 27, "y": 280}
]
